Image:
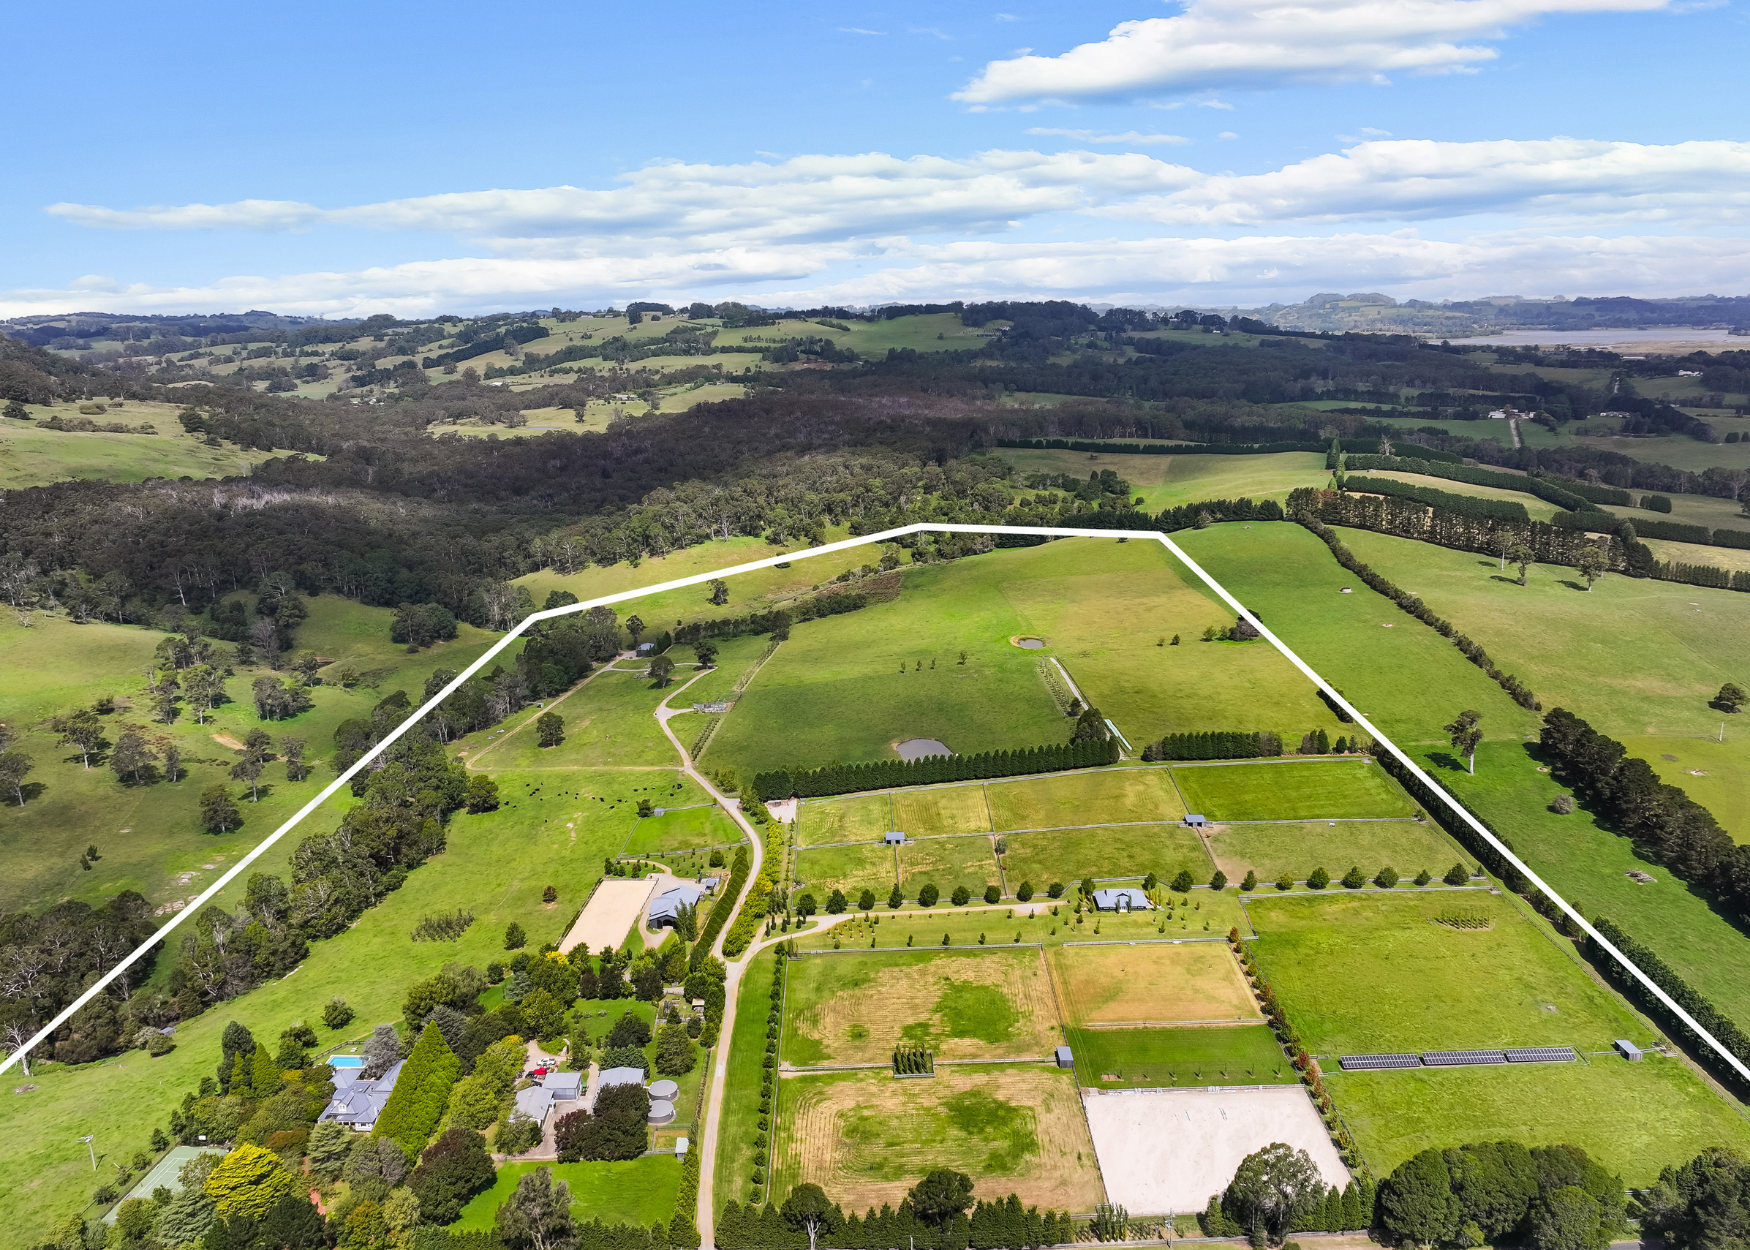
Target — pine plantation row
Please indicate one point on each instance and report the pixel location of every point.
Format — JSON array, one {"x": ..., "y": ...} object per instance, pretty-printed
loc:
[{"x": 934, "y": 770}]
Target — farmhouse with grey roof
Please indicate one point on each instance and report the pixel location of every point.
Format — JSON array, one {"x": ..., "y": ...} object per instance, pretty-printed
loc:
[
  {"x": 1121, "y": 900},
  {"x": 358, "y": 1103},
  {"x": 665, "y": 908}
]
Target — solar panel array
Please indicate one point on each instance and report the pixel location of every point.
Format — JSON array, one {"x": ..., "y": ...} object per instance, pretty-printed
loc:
[
  {"x": 1461, "y": 1058},
  {"x": 1543, "y": 1054},
  {"x": 1458, "y": 1058},
  {"x": 1375, "y": 1063}
]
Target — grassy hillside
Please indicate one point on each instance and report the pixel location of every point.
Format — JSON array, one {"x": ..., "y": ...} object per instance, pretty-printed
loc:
[{"x": 31, "y": 455}]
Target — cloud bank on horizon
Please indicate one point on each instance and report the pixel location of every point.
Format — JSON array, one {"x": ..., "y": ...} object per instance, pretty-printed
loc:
[{"x": 1101, "y": 214}]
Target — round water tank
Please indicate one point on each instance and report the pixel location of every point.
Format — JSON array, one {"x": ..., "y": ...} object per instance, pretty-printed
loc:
[
  {"x": 665, "y": 1090},
  {"x": 661, "y": 1111}
]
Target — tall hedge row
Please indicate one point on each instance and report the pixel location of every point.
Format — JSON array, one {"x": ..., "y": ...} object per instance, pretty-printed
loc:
[
  {"x": 727, "y": 893},
  {"x": 1464, "y": 505},
  {"x": 1216, "y": 745},
  {"x": 933, "y": 770}
]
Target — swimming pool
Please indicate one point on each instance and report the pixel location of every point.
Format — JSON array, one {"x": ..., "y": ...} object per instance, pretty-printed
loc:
[{"x": 346, "y": 1061}]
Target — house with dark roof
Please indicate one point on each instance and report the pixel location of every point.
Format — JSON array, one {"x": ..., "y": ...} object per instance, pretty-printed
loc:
[
  {"x": 665, "y": 908},
  {"x": 1121, "y": 900},
  {"x": 357, "y": 1104}
]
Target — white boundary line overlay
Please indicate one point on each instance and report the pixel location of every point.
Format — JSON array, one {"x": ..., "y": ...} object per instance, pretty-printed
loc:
[{"x": 846, "y": 544}]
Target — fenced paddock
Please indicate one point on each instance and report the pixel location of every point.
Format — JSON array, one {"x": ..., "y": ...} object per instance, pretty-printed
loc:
[
  {"x": 610, "y": 913},
  {"x": 1168, "y": 1151}
]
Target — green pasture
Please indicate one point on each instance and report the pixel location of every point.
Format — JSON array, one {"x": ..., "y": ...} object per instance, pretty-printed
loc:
[
  {"x": 734, "y": 657},
  {"x": 609, "y": 720},
  {"x": 1735, "y": 559},
  {"x": 834, "y": 690},
  {"x": 1677, "y": 450},
  {"x": 1297, "y": 849},
  {"x": 1406, "y": 678},
  {"x": 852, "y": 869},
  {"x": 495, "y": 865},
  {"x": 1246, "y": 1054},
  {"x": 638, "y": 1191},
  {"x": 1680, "y": 643},
  {"x": 757, "y": 591},
  {"x": 853, "y": 818},
  {"x": 1711, "y": 772},
  {"x": 1202, "y": 914},
  {"x": 947, "y": 863},
  {"x": 738, "y": 1127},
  {"x": 1589, "y": 867},
  {"x": 941, "y": 811},
  {"x": 1165, "y": 481},
  {"x": 1436, "y": 987},
  {"x": 1708, "y": 510},
  {"x": 1537, "y": 509},
  {"x": 683, "y": 829},
  {"x": 1292, "y": 790},
  {"x": 31, "y": 455},
  {"x": 1108, "y": 608},
  {"x": 1071, "y": 855},
  {"x": 1067, "y": 800},
  {"x": 1635, "y": 1118},
  {"x": 149, "y": 835}
]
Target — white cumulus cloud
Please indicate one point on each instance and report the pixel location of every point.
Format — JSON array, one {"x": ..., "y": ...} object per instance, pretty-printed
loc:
[
  {"x": 1133, "y": 138},
  {"x": 1272, "y": 43}
]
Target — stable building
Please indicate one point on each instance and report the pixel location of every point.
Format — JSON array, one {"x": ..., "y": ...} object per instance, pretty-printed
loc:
[
  {"x": 665, "y": 908},
  {"x": 1121, "y": 900}
]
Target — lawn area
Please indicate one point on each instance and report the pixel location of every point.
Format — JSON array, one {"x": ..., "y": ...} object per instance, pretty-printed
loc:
[
  {"x": 1292, "y": 790},
  {"x": 1168, "y": 481},
  {"x": 1674, "y": 1116},
  {"x": 941, "y": 811},
  {"x": 1066, "y": 800},
  {"x": 866, "y": 1138},
  {"x": 31, "y": 455},
  {"x": 1158, "y": 983},
  {"x": 1439, "y": 987},
  {"x": 638, "y": 1191},
  {"x": 1247, "y": 1054},
  {"x": 853, "y": 818},
  {"x": 734, "y": 657},
  {"x": 849, "y": 868},
  {"x": 1271, "y": 850},
  {"x": 495, "y": 865},
  {"x": 948, "y": 862},
  {"x": 149, "y": 835},
  {"x": 979, "y": 1003},
  {"x": 683, "y": 829},
  {"x": 609, "y": 719},
  {"x": 738, "y": 1129},
  {"x": 1069, "y": 855}
]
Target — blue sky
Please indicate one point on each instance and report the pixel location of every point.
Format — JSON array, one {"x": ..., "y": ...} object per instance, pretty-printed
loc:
[{"x": 348, "y": 159}]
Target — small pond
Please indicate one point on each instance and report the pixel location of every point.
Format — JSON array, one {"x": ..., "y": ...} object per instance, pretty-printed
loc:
[
  {"x": 1031, "y": 644},
  {"x": 918, "y": 748}
]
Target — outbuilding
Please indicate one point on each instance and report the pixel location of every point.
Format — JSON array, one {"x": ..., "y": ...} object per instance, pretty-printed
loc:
[
  {"x": 1628, "y": 1050},
  {"x": 893, "y": 837},
  {"x": 1196, "y": 820},
  {"x": 1064, "y": 1058},
  {"x": 665, "y": 908}
]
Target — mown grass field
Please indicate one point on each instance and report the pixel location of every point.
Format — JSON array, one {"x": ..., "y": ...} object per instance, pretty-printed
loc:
[
  {"x": 1130, "y": 851},
  {"x": 1709, "y": 771},
  {"x": 866, "y": 1138},
  {"x": 985, "y": 1003},
  {"x": 1223, "y": 1055},
  {"x": 1155, "y": 984},
  {"x": 1293, "y": 790},
  {"x": 1635, "y": 1118},
  {"x": 853, "y": 818},
  {"x": 149, "y": 835},
  {"x": 1439, "y": 987},
  {"x": 31, "y": 455},
  {"x": 638, "y": 1191},
  {"x": 1067, "y": 800},
  {"x": 496, "y": 865},
  {"x": 849, "y": 868},
  {"x": 941, "y": 812},
  {"x": 947, "y": 863},
  {"x": 1297, "y": 849}
]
